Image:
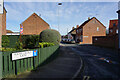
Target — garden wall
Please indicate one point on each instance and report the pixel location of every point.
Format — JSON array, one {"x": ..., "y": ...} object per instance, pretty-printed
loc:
[
  {"x": 9, "y": 67},
  {"x": 106, "y": 41}
]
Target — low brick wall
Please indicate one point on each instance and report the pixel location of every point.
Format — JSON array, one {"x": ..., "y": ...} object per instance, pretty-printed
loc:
[{"x": 106, "y": 41}]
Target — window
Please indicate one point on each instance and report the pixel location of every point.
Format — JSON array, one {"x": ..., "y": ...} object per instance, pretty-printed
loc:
[
  {"x": 114, "y": 24},
  {"x": 97, "y": 28},
  {"x": 117, "y": 31},
  {"x": 111, "y": 31},
  {"x": 96, "y": 39}
]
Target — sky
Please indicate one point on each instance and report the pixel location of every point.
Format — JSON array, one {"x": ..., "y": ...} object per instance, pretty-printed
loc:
[{"x": 68, "y": 15}]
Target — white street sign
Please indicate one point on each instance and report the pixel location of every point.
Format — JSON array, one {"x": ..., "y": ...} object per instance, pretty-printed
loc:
[{"x": 25, "y": 54}]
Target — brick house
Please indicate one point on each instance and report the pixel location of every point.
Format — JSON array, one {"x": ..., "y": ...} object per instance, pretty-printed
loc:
[
  {"x": 3, "y": 18},
  {"x": 73, "y": 33},
  {"x": 2, "y": 24},
  {"x": 91, "y": 27},
  {"x": 33, "y": 25},
  {"x": 113, "y": 27}
]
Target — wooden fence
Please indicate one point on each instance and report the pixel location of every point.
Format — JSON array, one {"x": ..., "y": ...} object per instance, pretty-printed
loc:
[{"x": 9, "y": 67}]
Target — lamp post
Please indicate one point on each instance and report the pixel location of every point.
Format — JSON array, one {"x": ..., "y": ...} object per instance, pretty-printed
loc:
[
  {"x": 59, "y": 4},
  {"x": 119, "y": 23}
]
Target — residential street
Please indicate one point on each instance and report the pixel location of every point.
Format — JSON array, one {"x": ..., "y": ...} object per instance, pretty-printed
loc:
[
  {"x": 65, "y": 65},
  {"x": 68, "y": 63},
  {"x": 95, "y": 67}
]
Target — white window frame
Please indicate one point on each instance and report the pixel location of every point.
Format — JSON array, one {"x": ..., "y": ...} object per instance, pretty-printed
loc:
[
  {"x": 117, "y": 31},
  {"x": 97, "y": 28}
]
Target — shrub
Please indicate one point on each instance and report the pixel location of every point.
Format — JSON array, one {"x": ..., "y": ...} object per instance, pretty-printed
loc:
[
  {"x": 7, "y": 49},
  {"x": 5, "y": 41},
  {"x": 31, "y": 41},
  {"x": 19, "y": 45},
  {"x": 45, "y": 44},
  {"x": 51, "y": 36}
]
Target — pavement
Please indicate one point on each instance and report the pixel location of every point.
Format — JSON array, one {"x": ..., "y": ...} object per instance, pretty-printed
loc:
[{"x": 66, "y": 66}]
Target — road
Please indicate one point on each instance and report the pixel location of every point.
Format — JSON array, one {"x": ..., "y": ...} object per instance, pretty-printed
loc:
[{"x": 99, "y": 63}]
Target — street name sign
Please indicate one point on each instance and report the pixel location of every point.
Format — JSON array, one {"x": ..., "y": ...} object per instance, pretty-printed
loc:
[{"x": 25, "y": 54}]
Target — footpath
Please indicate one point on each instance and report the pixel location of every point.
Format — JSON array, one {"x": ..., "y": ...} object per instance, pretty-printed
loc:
[{"x": 66, "y": 65}]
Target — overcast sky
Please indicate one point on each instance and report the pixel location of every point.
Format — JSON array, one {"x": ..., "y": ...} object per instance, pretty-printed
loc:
[{"x": 70, "y": 13}]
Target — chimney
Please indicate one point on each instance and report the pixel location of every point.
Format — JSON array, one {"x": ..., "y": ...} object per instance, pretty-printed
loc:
[
  {"x": 73, "y": 28},
  {"x": 77, "y": 26},
  {"x": 88, "y": 18}
]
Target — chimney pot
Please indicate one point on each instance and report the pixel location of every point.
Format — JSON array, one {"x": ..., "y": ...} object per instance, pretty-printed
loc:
[
  {"x": 88, "y": 18},
  {"x": 72, "y": 27},
  {"x": 77, "y": 26}
]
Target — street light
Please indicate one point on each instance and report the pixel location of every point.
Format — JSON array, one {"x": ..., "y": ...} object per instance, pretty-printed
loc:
[{"x": 59, "y": 4}]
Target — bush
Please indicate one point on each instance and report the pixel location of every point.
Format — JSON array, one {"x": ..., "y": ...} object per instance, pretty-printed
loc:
[
  {"x": 5, "y": 41},
  {"x": 19, "y": 45},
  {"x": 45, "y": 44},
  {"x": 7, "y": 49},
  {"x": 51, "y": 36},
  {"x": 31, "y": 41}
]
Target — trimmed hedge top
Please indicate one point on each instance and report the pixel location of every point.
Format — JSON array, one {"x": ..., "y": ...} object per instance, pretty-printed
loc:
[{"x": 50, "y": 35}]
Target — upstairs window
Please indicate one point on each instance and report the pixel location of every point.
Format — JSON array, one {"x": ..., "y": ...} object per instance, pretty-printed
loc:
[
  {"x": 97, "y": 28},
  {"x": 117, "y": 31},
  {"x": 111, "y": 31},
  {"x": 114, "y": 24}
]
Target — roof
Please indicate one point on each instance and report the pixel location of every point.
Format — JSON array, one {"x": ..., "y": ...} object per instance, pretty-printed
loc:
[
  {"x": 118, "y": 11},
  {"x": 72, "y": 30},
  {"x": 82, "y": 25},
  {"x": 9, "y": 31},
  {"x": 34, "y": 14},
  {"x": 112, "y": 23}
]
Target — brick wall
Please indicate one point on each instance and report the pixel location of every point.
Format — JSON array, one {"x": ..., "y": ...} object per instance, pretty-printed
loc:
[
  {"x": 34, "y": 25},
  {"x": 0, "y": 28},
  {"x": 90, "y": 30},
  {"x": 2, "y": 24},
  {"x": 106, "y": 41}
]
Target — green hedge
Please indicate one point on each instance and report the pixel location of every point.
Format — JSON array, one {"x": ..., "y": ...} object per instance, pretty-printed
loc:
[
  {"x": 28, "y": 41},
  {"x": 50, "y": 35}
]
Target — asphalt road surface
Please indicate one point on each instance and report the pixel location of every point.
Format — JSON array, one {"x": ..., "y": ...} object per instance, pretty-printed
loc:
[{"x": 99, "y": 63}]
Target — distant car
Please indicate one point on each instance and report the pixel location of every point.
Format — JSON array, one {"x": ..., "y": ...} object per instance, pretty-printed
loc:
[{"x": 72, "y": 41}]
